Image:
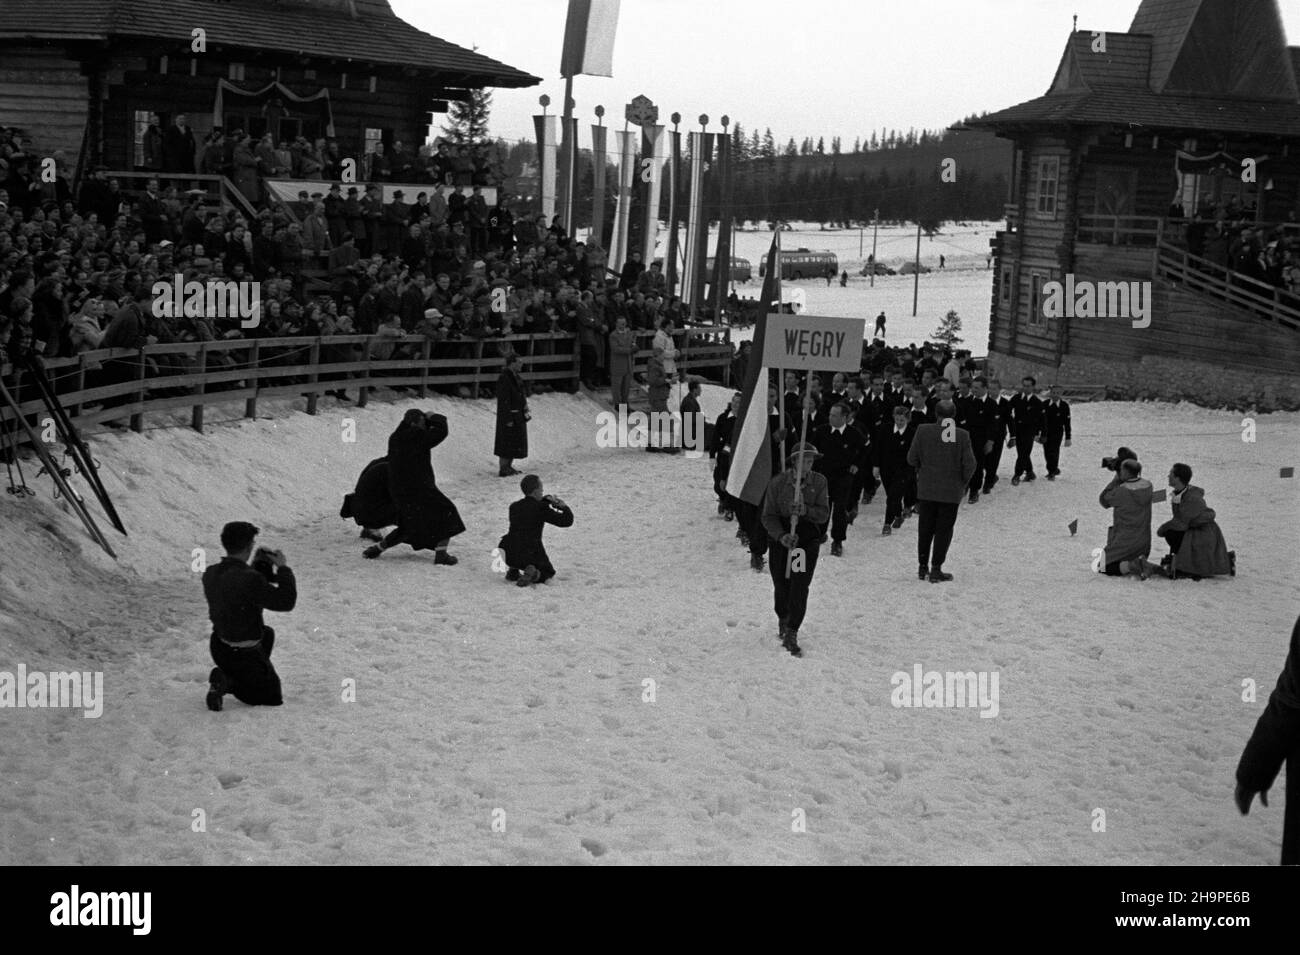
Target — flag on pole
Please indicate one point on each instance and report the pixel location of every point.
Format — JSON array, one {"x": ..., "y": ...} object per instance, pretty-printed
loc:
[
  {"x": 652, "y": 141},
  {"x": 589, "y": 38},
  {"x": 674, "y": 211},
  {"x": 546, "y": 155},
  {"x": 597, "y": 186},
  {"x": 697, "y": 222},
  {"x": 751, "y": 454},
  {"x": 618, "y": 249}
]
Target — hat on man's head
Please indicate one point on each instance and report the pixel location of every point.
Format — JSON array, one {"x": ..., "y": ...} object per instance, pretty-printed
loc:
[
  {"x": 802, "y": 449},
  {"x": 237, "y": 536},
  {"x": 398, "y": 193},
  {"x": 432, "y": 313},
  {"x": 352, "y": 190}
]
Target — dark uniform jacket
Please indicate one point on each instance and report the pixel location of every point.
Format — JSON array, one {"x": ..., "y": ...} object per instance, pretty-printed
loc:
[
  {"x": 237, "y": 594},
  {"x": 1056, "y": 420},
  {"x": 889, "y": 448},
  {"x": 1025, "y": 416},
  {"x": 840, "y": 451},
  {"x": 522, "y": 544}
]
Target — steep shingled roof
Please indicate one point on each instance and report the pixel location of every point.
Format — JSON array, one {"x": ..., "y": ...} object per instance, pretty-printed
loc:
[
  {"x": 1220, "y": 65},
  {"x": 375, "y": 35}
]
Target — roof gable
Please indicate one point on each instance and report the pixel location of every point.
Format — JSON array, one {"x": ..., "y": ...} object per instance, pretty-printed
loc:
[
  {"x": 1126, "y": 63},
  {"x": 1219, "y": 47}
]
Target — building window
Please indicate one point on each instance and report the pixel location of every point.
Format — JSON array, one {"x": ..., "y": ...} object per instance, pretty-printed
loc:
[
  {"x": 1006, "y": 284},
  {"x": 1036, "y": 281},
  {"x": 140, "y": 124},
  {"x": 1049, "y": 173},
  {"x": 236, "y": 72}
]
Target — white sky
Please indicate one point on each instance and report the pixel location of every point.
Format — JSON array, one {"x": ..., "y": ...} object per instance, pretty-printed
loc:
[{"x": 803, "y": 67}]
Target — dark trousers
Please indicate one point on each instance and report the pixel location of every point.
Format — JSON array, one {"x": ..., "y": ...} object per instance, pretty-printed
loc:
[
  {"x": 991, "y": 462},
  {"x": 1024, "y": 448},
  {"x": 976, "y": 482},
  {"x": 934, "y": 527},
  {"x": 790, "y": 595},
  {"x": 535, "y": 558},
  {"x": 750, "y": 517},
  {"x": 248, "y": 669},
  {"x": 900, "y": 491},
  {"x": 842, "y": 501},
  {"x": 1052, "y": 453},
  {"x": 587, "y": 366},
  {"x": 721, "y": 470}
]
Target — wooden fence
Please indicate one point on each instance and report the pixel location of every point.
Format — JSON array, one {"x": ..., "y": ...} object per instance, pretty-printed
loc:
[{"x": 111, "y": 384}]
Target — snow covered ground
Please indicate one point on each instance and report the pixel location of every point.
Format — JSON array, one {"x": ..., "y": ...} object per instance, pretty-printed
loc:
[
  {"x": 474, "y": 696},
  {"x": 965, "y": 284}
]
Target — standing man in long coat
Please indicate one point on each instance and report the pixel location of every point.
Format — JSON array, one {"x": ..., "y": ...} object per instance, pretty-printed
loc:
[
  {"x": 512, "y": 416},
  {"x": 427, "y": 519}
]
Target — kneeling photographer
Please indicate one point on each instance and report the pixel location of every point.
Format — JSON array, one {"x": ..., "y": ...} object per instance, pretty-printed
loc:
[
  {"x": 1128, "y": 541},
  {"x": 237, "y": 594}
]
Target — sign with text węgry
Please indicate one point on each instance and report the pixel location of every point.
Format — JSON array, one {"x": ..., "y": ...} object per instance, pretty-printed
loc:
[{"x": 813, "y": 342}]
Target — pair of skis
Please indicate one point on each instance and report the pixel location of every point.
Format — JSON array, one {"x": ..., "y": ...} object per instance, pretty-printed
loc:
[
  {"x": 76, "y": 447},
  {"x": 55, "y": 472}
]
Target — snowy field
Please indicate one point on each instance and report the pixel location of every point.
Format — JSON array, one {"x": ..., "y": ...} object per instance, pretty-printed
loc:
[
  {"x": 474, "y": 696},
  {"x": 965, "y": 284}
]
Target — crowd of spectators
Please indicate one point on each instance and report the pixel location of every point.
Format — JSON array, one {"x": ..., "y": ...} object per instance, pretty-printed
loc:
[
  {"x": 1229, "y": 238},
  {"x": 77, "y": 273}
]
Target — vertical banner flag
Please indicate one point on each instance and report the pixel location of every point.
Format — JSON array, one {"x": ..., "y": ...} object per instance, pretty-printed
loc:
[
  {"x": 546, "y": 151},
  {"x": 567, "y": 168},
  {"x": 697, "y": 222},
  {"x": 722, "y": 254},
  {"x": 751, "y": 456},
  {"x": 674, "y": 211},
  {"x": 597, "y": 186},
  {"x": 589, "y": 38},
  {"x": 618, "y": 250},
  {"x": 652, "y": 139}
]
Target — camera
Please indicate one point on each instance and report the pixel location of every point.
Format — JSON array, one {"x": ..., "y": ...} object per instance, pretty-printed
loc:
[
  {"x": 1122, "y": 455},
  {"x": 262, "y": 562}
]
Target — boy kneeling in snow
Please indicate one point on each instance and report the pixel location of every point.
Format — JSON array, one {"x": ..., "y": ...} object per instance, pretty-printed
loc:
[{"x": 522, "y": 545}]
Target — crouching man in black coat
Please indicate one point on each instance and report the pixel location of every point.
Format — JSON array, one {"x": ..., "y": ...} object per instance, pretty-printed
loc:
[
  {"x": 522, "y": 546},
  {"x": 1277, "y": 739},
  {"x": 370, "y": 505},
  {"x": 237, "y": 594}
]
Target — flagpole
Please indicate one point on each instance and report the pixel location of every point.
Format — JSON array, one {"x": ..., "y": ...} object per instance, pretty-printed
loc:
[
  {"x": 567, "y": 149},
  {"x": 916, "y": 284},
  {"x": 780, "y": 385},
  {"x": 798, "y": 490},
  {"x": 875, "y": 233}
]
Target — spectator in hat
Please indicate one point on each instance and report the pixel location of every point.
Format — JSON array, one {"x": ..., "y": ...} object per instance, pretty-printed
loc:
[
  {"x": 793, "y": 547},
  {"x": 657, "y": 379},
  {"x": 241, "y": 643},
  {"x": 354, "y": 219},
  {"x": 302, "y": 205},
  {"x": 622, "y": 351},
  {"x": 526, "y": 559},
  {"x": 394, "y": 223},
  {"x": 512, "y": 415}
]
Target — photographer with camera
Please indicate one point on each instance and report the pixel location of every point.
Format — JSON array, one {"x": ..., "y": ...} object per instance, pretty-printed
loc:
[
  {"x": 237, "y": 594},
  {"x": 525, "y": 557},
  {"x": 1128, "y": 541}
]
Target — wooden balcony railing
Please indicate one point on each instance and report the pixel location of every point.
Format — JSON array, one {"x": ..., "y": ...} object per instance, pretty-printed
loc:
[
  {"x": 133, "y": 383},
  {"x": 1120, "y": 230},
  {"x": 1208, "y": 278}
]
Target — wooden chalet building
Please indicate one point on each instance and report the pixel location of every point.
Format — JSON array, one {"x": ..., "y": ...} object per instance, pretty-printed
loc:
[
  {"x": 1111, "y": 166},
  {"x": 82, "y": 76}
]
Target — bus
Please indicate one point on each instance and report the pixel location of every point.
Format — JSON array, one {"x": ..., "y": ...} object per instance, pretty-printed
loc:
[
  {"x": 803, "y": 264},
  {"x": 742, "y": 270}
]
